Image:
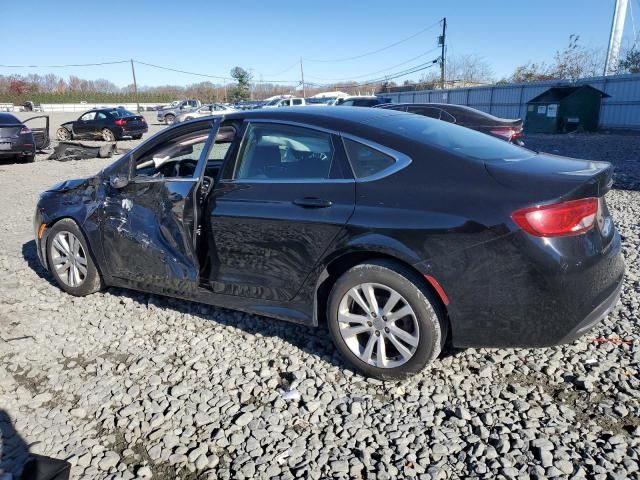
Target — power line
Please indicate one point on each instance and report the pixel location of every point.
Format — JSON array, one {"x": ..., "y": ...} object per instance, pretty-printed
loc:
[
  {"x": 206, "y": 75},
  {"x": 375, "y": 51},
  {"x": 64, "y": 66},
  {"x": 414, "y": 69},
  {"x": 377, "y": 71}
]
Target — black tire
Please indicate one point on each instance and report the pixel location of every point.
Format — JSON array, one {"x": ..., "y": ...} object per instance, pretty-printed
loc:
[
  {"x": 63, "y": 134},
  {"x": 169, "y": 119},
  {"x": 136, "y": 137},
  {"x": 92, "y": 281},
  {"x": 29, "y": 158},
  {"x": 108, "y": 135},
  {"x": 429, "y": 316}
]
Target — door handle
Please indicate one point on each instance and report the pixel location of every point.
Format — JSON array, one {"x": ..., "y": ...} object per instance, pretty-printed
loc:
[{"x": 312, "y": 202}]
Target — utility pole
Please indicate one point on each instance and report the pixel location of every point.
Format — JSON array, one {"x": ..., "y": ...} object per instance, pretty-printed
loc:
[
  {"x": 441, "y": 42},
  {"x": 304, "y": 90},
  {"x": 224, "y": 80},
  {"x": 615, "y": 38},
  {"x": 135, "y": 86}
]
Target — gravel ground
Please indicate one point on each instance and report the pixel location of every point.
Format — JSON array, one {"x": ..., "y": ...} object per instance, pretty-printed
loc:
[{"x": 129, "y": 385}]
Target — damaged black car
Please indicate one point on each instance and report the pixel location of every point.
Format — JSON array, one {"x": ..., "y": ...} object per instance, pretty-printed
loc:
[
  {"x": 399, "y": 231},
  {"x": 20, "y": 140},
  {"x": 108, "y": 124}
]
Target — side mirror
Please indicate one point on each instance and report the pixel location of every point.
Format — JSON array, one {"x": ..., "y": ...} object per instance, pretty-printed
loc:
[{"x": 118, "y": 181}]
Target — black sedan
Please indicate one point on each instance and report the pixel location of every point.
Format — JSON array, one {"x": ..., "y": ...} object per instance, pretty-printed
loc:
[
  {"x": 503, "y": 128},
  {"x": 18, "y": 141},
  {"x": 109, "y": 124},
  {"x": 400, "y": 231}
]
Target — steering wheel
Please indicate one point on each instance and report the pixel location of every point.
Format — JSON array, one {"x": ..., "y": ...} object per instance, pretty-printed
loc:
[{"x": 184, "y": 164}]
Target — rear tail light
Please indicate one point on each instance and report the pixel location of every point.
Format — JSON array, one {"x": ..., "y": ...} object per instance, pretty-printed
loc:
[
  {"x": 120, "y": 122},
  {"x": 559, "y": 219},
  {"x": 506, "y": 132},
  {"x": 25, "y": 130}
]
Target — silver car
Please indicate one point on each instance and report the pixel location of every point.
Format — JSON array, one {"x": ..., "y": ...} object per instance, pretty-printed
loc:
[{"x": 205, "y": 111}]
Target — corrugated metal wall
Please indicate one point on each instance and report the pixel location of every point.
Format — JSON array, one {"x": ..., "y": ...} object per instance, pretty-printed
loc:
[{"x": 621, "y": 110}]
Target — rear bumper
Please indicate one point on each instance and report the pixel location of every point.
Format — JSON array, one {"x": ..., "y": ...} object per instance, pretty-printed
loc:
[
  {"x": 19, "y": 149},
  {"x": 521, "y": 291},
  {"x": 596, "y": 316}
]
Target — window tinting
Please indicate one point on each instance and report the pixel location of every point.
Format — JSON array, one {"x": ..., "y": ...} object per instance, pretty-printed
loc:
[
  {"x": 365, "y": 160},
  {"x": 121, "y": 112},
  {"x": 284, "y": 152},
  {"x": 453, "y": 138}
]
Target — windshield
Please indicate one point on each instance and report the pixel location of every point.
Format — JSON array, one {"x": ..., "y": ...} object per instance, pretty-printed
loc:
[
  {"x": 456, "y": 139},
  {"x": 273, "y": 102}
]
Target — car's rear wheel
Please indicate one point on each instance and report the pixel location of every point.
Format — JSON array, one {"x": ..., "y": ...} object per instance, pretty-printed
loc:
[
  {"x": 70, "y": 261},
  {"x": 384, "y": 320},
  {"x": 169, "y": 119},
  {"x": 108, "y": 135},
  {"x": 29, "y": 158},
  {"x": 63, "y": 134},
  {"x": 136, "y": 137}
]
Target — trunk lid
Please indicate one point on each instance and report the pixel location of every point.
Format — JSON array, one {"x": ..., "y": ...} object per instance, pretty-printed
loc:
[{"x": 544, "y": 177}]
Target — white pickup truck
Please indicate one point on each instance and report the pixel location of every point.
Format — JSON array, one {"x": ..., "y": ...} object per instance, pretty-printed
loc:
[{"x": 285, "y": 102}]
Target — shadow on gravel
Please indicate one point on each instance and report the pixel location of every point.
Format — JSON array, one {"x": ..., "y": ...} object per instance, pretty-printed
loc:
[
  {"x": 314, "y": 341},
  {"x": 30, "y": 255},
  {"x": 14, "y": 451}
]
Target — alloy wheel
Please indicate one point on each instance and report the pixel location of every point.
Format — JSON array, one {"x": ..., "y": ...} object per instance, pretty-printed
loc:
[
  {"x": 378, "y": 325},
  {"x": 107, "y": 135},
  {"x": 69, "y": 259}
]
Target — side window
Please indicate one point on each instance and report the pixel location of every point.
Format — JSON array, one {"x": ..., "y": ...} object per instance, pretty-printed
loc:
[
  {"x": 101, "y": 116},
  {"x": 87, "y": 117},
  {"x": 277, "y": 152},
  {"x": 348, "y": 103},
  {"x": 297, "y": 101},
  {"x": 365, "y": 160},
  {"x": 176, "y": 157}
]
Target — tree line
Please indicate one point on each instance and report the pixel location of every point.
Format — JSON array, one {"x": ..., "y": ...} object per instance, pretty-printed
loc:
[{"x": 572, "y": 62}]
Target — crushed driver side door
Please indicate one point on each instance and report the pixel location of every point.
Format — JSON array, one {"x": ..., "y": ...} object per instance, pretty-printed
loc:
[{"x": 149, "y": 228}]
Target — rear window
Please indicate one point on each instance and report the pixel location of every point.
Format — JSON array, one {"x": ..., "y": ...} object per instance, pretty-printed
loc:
[
  {"x": 455, "y": 139},
  {"x": 9, "y": 119},
  {"x": 121, "y": 112}
]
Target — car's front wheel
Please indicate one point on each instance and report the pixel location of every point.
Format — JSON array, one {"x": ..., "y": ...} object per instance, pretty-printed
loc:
[
  {"x": 169, "y": 119},
  {"x": 384, "y": 320},
  {"x": 63, "y": 134},
  {"x": 70, "y": 261}
]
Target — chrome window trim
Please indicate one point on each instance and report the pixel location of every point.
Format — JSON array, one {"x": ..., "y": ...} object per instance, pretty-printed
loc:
[{"x": 401, "y": 160}]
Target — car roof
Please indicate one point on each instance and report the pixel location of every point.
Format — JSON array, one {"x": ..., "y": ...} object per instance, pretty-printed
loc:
[
  {"x": 365, "y": 123},
  {"x": 8, "y": 118}
]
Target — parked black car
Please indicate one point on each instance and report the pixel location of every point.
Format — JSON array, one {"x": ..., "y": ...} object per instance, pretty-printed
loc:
[
  {"x": 503, "y": 128},
  {"x": 398, "y": 230},
  {"x": 109, "y": 124},
  {"x": 359, "y": 101},
  {"x": 19, "y": 141}
]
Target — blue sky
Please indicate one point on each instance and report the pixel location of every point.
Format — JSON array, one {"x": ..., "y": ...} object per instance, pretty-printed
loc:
[{"x": 269, "y": 37}]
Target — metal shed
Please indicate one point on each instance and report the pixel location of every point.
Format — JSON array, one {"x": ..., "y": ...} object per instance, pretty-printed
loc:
[{"x": 565, "y": 109}]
